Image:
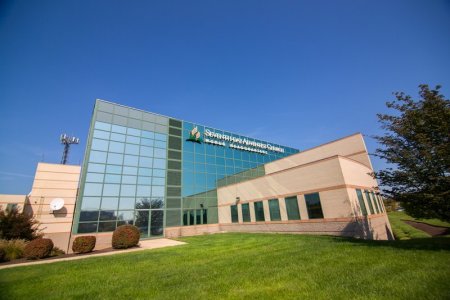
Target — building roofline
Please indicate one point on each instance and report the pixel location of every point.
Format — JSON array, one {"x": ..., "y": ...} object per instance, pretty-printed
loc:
[
  {"x": 334, "y": 141},
  {"x": 198, "y": 124}
]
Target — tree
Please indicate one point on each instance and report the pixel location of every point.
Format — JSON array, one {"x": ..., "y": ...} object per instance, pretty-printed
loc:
[
  {"x": 417, "y": 145},
  {"x": 17, "y": 225}
]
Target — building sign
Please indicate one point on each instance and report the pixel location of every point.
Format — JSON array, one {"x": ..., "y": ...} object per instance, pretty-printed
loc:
[
  {"x": 239, "y": 143},
  {"x": 194, "y": 136},
  {"x": 224, "y": 140}
]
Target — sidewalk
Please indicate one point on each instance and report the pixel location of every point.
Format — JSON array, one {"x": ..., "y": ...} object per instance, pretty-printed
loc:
[{"x": 144, "y": 245}]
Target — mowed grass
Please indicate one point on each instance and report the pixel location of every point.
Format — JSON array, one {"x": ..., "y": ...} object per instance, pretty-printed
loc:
[
  {"x": 247, "y": 266},
  {"x": 403, "y": 231},
  {"x": 241, "y": 266},
  {"x": 435, "y": 222}
]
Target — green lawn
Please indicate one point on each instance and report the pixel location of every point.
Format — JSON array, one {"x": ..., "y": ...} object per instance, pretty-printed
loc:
[
  {"x": 251, "y": 266},
  {"x": 404, "y": 216},
  {"x": 403, "y": 231}
]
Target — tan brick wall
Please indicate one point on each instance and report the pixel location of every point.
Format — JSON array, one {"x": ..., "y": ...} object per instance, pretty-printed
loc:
[
  {"x": 324, "y": 174},
  {"x": 7, "y": 199},
  {"x": 173, "y": 232},
  {"x": 54, "y": 181},
  {"x": 335, "y": 177},
  {"x": 352, "y": 146}
]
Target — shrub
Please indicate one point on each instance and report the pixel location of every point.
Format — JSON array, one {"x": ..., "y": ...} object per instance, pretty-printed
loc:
[
  {"x": 38, "y": 248},
  {"x": 17, "y": 225},
  {"x": 125, "y": 236},
  {"x": 83, "y": 244},
  {"x": 57, "y": 252},
  {"x": 12, "y": 249}
]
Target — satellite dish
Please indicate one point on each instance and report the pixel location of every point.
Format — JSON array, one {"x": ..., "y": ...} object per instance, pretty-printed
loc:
[{"x": 56, "y": 204}]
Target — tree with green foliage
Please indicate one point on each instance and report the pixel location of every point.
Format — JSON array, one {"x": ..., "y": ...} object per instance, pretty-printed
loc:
[
  {"x": 417, "y": 145},
  {"x": 17, "y": 225}
]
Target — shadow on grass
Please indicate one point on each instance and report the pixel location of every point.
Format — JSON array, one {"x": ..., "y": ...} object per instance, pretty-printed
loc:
[{"x": 432, "y": 244}]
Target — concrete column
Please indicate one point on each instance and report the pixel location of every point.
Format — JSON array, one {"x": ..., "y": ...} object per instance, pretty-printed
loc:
[
  {"x": 251, "y": 207},
  {"x": 283, "y": 211},
  {"x": 354, "y": 203},
  {"x": 302, "y": 207},
  {"x": 266, "y": 210},
  {"x": 225, "y": 214},
  {"x": 239, "y": 208}
]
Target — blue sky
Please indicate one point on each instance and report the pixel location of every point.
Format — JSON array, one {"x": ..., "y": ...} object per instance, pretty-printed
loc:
[{"x": 298, "y": 73}]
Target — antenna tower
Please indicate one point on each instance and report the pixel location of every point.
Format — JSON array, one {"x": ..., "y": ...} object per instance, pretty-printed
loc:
[{"x": 67, "y": 141}]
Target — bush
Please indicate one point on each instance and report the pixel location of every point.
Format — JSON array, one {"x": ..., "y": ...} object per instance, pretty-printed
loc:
[
  {"x": 12, "y": 249},
  {"x": 57, "y": 252},
  {"x": 83, "y": 244},
  {"x": 18, "y": 225},
  {"x": 38, "y": 248},
  {"x": 125, "y": 236}
]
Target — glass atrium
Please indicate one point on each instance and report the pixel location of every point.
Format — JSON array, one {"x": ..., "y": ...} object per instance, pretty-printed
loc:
[{"x": 145, "y": 169}]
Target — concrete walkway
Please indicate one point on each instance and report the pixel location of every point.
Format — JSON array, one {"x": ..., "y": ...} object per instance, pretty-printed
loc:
[{"x": 144, "y": 245}]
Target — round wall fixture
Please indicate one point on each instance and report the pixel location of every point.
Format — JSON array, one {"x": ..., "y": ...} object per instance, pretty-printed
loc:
[{"x": 57, "y": 204}]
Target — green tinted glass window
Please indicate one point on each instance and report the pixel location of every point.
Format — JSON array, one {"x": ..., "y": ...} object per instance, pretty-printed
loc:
[
  {"x": 292, "y": 210},
  {"x": 313, "y": 205},
  {"x": 377, "y": 207},
  {"x": 369, "y": 201},
  {"x": 274, "y": 208},
  {"x": 362, "y": 205},
  {"x": 234, "y": 214},
  {"x": 198, "y": 216},
  {"x": 185, "y": 218},
  {"x": 259, "y": 211},
  {"x": 380, "y": 200},
  {"x": 245, "y": 212}
]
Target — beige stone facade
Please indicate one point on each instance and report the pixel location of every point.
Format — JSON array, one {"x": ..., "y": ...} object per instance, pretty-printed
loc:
[
  {"x": 335, "y": 171},
  {"x": 54, "y": 181},
  {"x": 12, "y": 200}
]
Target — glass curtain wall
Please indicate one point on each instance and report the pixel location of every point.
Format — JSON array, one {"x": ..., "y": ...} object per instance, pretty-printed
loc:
[
  {"x": 154, "y": 171},
  {"x": 207, "y": 166},
  {"x": 124, "y": 172}
]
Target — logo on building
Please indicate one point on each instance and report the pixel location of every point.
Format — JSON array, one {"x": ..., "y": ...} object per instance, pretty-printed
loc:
[{"x": 194, "y": 136}]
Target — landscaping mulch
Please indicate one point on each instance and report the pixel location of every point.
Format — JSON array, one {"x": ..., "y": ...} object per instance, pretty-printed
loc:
[
  {"x": 93, "y": 253},
  {"x": 430, "y": 229}
]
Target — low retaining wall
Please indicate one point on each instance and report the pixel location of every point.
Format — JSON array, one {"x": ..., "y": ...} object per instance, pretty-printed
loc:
[
  {"x": 173, "y": 232},
  {"x": 374, "y": 227}
]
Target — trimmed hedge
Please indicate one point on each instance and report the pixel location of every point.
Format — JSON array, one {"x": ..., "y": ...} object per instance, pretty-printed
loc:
[
  {"x": 125, "y": 236},
  {"x": 83, "y": 244},
  {"x": 38, "y": 248}
]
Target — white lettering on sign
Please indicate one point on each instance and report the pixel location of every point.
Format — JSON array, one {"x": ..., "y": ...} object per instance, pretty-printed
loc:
[{"x": 239, "y": 143}]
